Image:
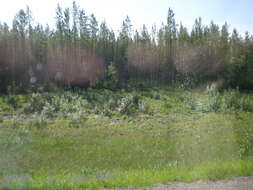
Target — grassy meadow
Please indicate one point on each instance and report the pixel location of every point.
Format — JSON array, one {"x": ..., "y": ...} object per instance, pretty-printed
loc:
[{"x": 97, "y": 139}]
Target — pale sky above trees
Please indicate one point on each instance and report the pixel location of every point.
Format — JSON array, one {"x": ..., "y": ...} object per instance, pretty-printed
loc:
[{"x": 237, "y": 13}]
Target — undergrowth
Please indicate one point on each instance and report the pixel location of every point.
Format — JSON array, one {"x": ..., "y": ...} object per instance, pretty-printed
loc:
[{"x": 126, "y": 138}]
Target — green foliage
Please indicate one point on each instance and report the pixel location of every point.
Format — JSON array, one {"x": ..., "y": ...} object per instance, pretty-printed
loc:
[
  {"x": 77, "y": 120},
  {"x": 125, "y": 138},
  {"x": 114, "y": 103},
  {"x": 170, "y": 55},
  {"x": 13, "y": 101},
  {"x": 240, "y": 72},
  {"x": 134, "y": 178},
  {"x": 75, "y": 105},
  {"x": 244, "y": 136},
  {"x": 36, "y": 103},
  {"x": 111, "y": 80},
  {"x": 231, "y": 100},
  {"x": 187, "y": 81},
  {"x": 39, "y": 122},
  {"x": 129, "y": 105},
  {"x": 216, "y": 101},
  {"x": 51, "y": 105},
  {"x": 154, "y": 94},
  {"x": 112, "y": 75}
]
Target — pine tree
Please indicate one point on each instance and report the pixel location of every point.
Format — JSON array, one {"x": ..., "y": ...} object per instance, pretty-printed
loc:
[
  {"x": 224, "y": 37},
  {"x": 126, "y": 29},
  {"x": 123, "y": 42},
  {"x": 59, "y": 24},
  {"x": 183, "y": 36},
  {"x": 197, "y": 31},
  {"x": 145, "y": 37},
  {"x": 235, "y": 44},
  {"x": 104, "y": 43},
  {"x": 75, "y": 13},
  {"x": 170, "y": 48},
  {"x": 84, "y": 29},
  {"x": 66, "y": 27},
  {"x": 93, "y": 31}
]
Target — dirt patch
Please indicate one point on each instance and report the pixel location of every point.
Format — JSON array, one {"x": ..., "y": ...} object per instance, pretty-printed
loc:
[{"x": 242, "y": 183}]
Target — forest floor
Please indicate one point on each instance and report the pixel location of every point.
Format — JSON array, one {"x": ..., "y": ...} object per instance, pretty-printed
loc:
[{"x": 100, "y": 139}]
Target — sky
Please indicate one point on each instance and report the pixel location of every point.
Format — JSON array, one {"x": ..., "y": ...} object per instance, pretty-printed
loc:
[{"x": 238, "y": 13}]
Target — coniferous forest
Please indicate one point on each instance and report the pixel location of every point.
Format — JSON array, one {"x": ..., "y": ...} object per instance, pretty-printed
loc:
[
  {"x": 79, "y": 51},
  {"x": 85, "y": 107}
]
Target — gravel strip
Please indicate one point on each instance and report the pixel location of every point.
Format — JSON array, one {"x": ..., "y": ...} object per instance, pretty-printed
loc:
[{"x": 242, "y": 183}]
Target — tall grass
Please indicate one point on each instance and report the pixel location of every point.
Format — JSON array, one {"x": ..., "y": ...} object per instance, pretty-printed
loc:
[{"x": 108, "y": 139}]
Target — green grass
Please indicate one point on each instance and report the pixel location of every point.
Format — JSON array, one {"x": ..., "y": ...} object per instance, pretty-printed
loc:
[
  {"x": 84, "y": 140},
  {"x": 134, "y": 177}
]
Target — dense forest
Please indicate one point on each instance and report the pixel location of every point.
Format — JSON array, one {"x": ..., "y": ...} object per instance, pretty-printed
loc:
[{"x": 80, "y": 52}]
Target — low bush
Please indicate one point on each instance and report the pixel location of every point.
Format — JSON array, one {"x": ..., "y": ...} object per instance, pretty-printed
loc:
[{"x": 231, "y": 100}]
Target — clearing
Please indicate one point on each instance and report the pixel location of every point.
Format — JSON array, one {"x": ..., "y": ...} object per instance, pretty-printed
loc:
[{"x": 124, "y": 139}]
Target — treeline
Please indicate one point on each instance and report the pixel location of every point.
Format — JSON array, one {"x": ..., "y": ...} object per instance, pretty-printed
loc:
[{"x": 79, "y": 51}]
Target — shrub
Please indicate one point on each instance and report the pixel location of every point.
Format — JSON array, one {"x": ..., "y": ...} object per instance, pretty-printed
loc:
[
  {"x": 36, "y": 103},
  {"x": 39, "y": 122},
  {"x": 231, "y": 100},
  {"x": 215, "y": 102},
  {"x": 152, "y": 94},
  {"x": 129, "y": 104},
  {"x": 77, "y": 120},
  {"x": 15, "y": 101},
  {"x": 54, "y": 105},
  {"x": 111, "y": 81},
  {"x": 240, "y": 72}
]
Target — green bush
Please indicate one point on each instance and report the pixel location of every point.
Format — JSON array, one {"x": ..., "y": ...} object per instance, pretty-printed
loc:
[
  {"x": 133, "y": 104},
  {"x": 77, "y": 120},
  {"x": 36, "y": 103},
  {"x": 231, "y": 100},
  {"x": 128, "y": 105},
  {"x": 216, "y": 102},
  {"x": 111, "y": 81},
  {"x": 152, "y": 94},
  {"x": 51, "y": 105},
  {"x": 15, "y": 101},
  {"x": 240, "y": 72}
]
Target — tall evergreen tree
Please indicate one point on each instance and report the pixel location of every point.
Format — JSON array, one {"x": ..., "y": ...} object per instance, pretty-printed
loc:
[
  {"x": 145, "y": 37},
  {"x": 235, "y": 44},
  {"x": 75, "y": 13},
  {"x": 93, "y": 31},
  {"x": 66, "y": 26},
  {"x": 84, "y": 29},
  {"x": 59, "y": 23}
]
